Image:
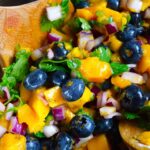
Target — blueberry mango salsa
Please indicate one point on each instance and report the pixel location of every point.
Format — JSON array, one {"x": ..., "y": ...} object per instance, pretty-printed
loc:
[{"x": 87, "y": 87}]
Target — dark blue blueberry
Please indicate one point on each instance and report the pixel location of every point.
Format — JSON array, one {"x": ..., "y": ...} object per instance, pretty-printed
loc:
[
  {"x": 113, "y": 4},
  {"x": 80, "y": 3},
  {"x": 136, "y": 19},
  {"x": 73, "y": 89},
  {"x": 59, "y": 77},
  {"x": 106, "y": 85},
  {"x": 82, "y": 126},
  {"x": 60, "y": 51},
  {"x": 131, "y": 52},
  {"x": 133, "y": 98},
  {"x": 147, "y": 96},
  {"x": 103, "y": 125},
  {"x": 129, "y": 33},
  {"x": 35, "y": 79},
  {"x": 47, "y": 144},
  {"x": 33, "y": 144},
  {"x": 63, "y": 141}
]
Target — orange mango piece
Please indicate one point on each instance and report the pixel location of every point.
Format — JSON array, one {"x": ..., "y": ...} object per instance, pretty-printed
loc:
[
  {"x": 98, "y": 143},
  {"x": 13, "y": 142},
  {"x": 144, "y": 64},
  {"x": 24, "y": 93},
  {"x": 120, "y": 82},
  {"x": 28, "y": 116},
  {"x": 95, "y": 70},
  {"x": 4, "y": 122},
  {"x": 84, "y": 13}
]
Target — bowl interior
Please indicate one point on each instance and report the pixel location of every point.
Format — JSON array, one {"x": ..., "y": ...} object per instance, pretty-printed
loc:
[{"x": 14, "y": 2}]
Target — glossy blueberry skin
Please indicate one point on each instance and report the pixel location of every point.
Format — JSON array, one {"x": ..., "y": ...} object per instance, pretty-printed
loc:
[
  {"x": 129, "y": 33},
  {"x": 131, "y": 52},
  {"x": 60, "y": 51},
  {"x": 35, "y": 79},
  {"x": 80, "y": 3},
  {"x": 63, "y": 141},
  {"x": 133, "y": 98},
  {"x": 147, "y": 96},
  {"x": 32, "y": 144},
  {"x": 106, "y": 85},
  {"x": 103, "y": 125},
  {"x": 113, "y": 4},
  {"x": 59, "y": 77},
  {"x": 73, "y": 89},
  {"x": 136, "y": 19},
  {"x": 82, "y": 126}
]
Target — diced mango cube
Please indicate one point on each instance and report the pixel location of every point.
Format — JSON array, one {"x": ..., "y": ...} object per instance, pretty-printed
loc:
[
  {"x": 144, "y": 138},
  {"x": 13, "y": 142}
]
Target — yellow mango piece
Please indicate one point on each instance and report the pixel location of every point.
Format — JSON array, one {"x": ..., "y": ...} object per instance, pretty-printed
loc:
[
  {"x": 114, "y": 43},
  {"x": 13, "y": 142},
  {"x": 24, "y": 93},
  {"x": 115, "y": 57},
  {"x": 144, "y": 63},
  {"x": 68, "y": 114},
  {"x": 95, "y": 70},
  {"x": 146, "y": 4},
  {"x": 86, "y": 97},
  {"x": 144, "y": 138},
  {"x": 99, "y": 143},
  {"x": 41, "y": 110},
  {"x": 28, "y": 116},
  {"x": 120, "y": 82},
  {"x": 54, "y": 96},
  {"x": 4, "y": 122}
]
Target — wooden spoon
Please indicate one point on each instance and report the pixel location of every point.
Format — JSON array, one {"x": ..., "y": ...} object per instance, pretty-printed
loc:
[{"x": 20, "y": 25}]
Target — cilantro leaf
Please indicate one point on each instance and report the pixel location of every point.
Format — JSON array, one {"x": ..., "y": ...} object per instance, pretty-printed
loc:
[
  {"x": 130, "y": 116},
  {"x": 65, "y": 7},
  {"x": 39, "y": 134},
  {"x": 73, "y": 63},
  {"x": 84, "y": 24},
  {"x": 118, "y": 68},
  {"x": 103, "y": 53}
]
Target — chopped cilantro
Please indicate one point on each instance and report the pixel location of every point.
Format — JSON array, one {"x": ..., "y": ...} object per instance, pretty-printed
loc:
[
  {"x": 73, "y": 63},
  {"x": 39, "y": 134},
  {"x": 83, "y": 112},
  {"x": 103, "y": 53},
  {"x": 130, "y": 116},
  {"x": 118, "y": 68}
]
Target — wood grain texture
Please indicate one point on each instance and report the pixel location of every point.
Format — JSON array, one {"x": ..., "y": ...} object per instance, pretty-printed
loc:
[{"x": 20, "y": 25}]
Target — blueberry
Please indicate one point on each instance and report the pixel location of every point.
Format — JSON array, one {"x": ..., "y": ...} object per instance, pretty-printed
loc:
[
  {"x": 33, "y": 144},
  {"x": 63, "y": 141},
  {"x": 47, "y": 143},
  {"x": 82, "y": 126},
  {"x": 147, "y": 96},
  {"x": 73, "y": 89},
  {"x": 106, "y": 85},
  {"x": 59, "y": 77},
  {"x": 113, "y": 4},
  {"x": 136, "y": 19},
  {"x": 60, "y": 51},
  {"x": 35, "y": 79},
  {"x": 129, "y": 33},
  {"x": 80, "y": 3},
  {"x": 103, "y": 125},
  {"x": 133, "y": 98},
  {"x": 131, "y": 52}
]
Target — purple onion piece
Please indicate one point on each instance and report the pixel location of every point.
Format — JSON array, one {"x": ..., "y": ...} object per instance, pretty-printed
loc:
[
  {"x": 53, "y": 37},
  {"x": 111, "y": 28},
  {"x": 59, "y": 113}
]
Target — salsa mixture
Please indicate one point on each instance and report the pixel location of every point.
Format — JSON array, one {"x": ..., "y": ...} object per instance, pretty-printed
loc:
[{"x": 92, "y": 72}]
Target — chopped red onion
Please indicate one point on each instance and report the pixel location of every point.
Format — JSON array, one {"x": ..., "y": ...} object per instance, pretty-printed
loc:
[
  {"x": 16, "y": 127},
  {"x": 50, "y": 130},
  {"x": 147, "y": 13},
  {"x": 36, "y": 54},
  {"x": 107, "y": 110},
  {"x": 10, "y": 113},
  {"x": 2, "y": 131},
  {"x": 114, "y": 114},
  {"x": 133, "y": 77},
  {"x": 114, "y": 102},
  {"x": 135, "y": 5},
  {"x": 2, "y": 107},
  {"x": 94, "y": 43},
  {"x": 83, "y": 140},
  {"x": 95, "y": 90},
  {"x": 6, "y": 92},
  {"x": 59, "y": 113},
  {"x": 111, "y": 28},
  {"x": 83, "y": 38},
  {"x": 50, "y": 54},
  {"x": 102, "y": 99},
  {"x": 54, "y": 13},
  {"x": 52, "y": 37}
]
